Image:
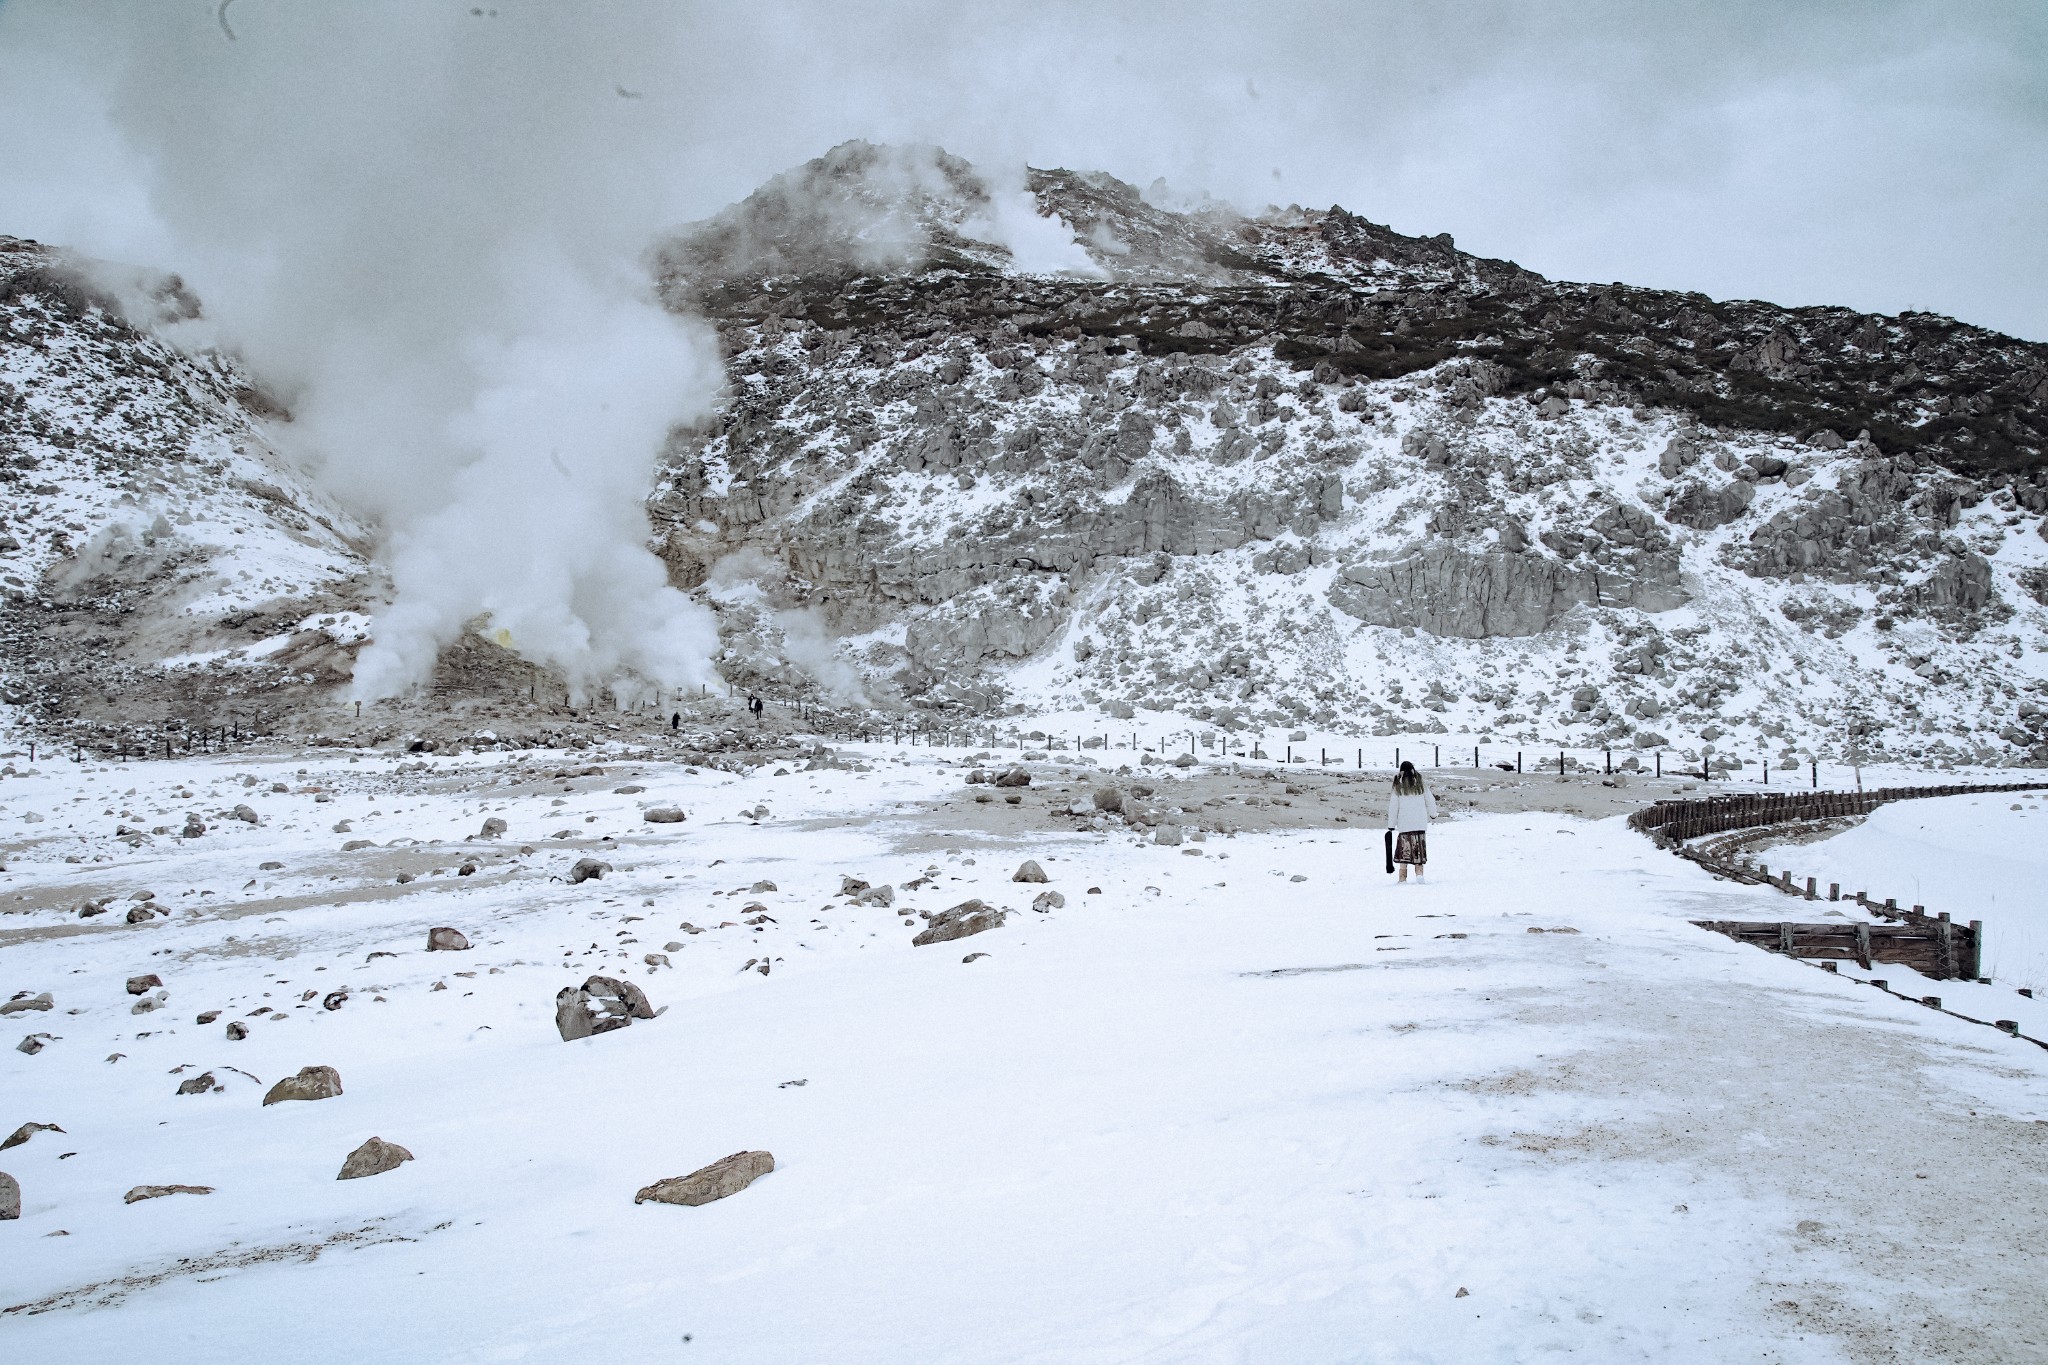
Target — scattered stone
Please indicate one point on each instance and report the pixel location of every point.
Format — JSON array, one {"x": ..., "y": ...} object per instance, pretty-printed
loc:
[
  {"x": 851, "y": 886},
  {"x": 655, "y": 959},
  {"x": 194, "y": 827},
  {"x": 142, "y": 1192},
  {"x": 1297, "y": 877},
  {"x": 599, "y": 1005},
  {"x": 237, "y": 1031},
  {"x": 272, "y": 866},
  {"x": 1535, "y": 930},
  {"x": 883, "y": 895},
  {"x": 588, "y": 870},
  {"x": 493, "y": 827},
  {"x": 138, "y": 984},
  {"x": 10, "y": 1197},
  {"x": 972, "y": 956},
  {"x": 207, "y": 1017},
  {"x": 334, "y": 1000},
  {"x": 373, "y": 1158},
  {"x": 628, "y": 790},
  {"x": 31, "y": 1044},
  {"x": 760, "y": 888},
  {"x": 726, "y": 1176},
  {"x": 27, "y": 1131},
  {"x": 967, "y": 918},
  {"x": 247, "y": 814},
  {"x": 1049, "y": 900},
  {"x": 466, "y": 870},
  {"x": 1015, "y": 777},
  {"x": 1168, "y": 835},
  {"x": 24, "y": 1002},
  {"x": 446, "y": 940},
  {"x": 1030, "y": 871},
  {"x": 1184, "y": 761},
  {"x": 198, "y": 1085},
  {"x": 352, "y": 845},
  {"x": 312, "y": 1083},
  {"x": 140, "y": 914},
  {"x": 146, "y": 1004},
  {"x": 674, "y": 946},
  {"x": 404, "y": 878},
  {"x": 1109, "y": 799},
  {"x": 663, "y": 815}
]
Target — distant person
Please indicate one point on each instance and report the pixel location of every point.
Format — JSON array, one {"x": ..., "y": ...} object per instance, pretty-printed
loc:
[
  {"x": 754, "y": 705},
  {"x": 1409, "y": 811},
  {"x": 675, "y": 722}
]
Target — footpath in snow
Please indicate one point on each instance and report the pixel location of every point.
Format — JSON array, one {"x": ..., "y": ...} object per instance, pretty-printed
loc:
[{"x": 1239, "y": 1100}]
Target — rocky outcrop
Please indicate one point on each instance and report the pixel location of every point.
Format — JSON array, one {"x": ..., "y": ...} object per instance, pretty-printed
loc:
[
  {"x": 965, "y": 919},
  {"x": 311, "y": 1083},
  {"x": 374, "y": 1157},
  {"x": 722, "y": 1178},
  {"x": 600, "y": 1005},
  {"x": 1480, "y": 595}
]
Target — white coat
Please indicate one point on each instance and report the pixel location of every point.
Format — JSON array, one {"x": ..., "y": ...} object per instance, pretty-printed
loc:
[{"x": 1407, "y": 814}]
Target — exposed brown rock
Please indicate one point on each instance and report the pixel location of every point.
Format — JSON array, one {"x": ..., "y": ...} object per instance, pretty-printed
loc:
[{"x": 726, "y": 1176}]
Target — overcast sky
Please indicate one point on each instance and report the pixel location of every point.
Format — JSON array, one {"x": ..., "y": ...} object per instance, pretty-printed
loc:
[{"x": 1882, "y": 155}]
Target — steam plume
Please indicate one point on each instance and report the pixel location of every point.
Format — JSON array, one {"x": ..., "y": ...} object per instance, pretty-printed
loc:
[{"x": 425, "y": 224}]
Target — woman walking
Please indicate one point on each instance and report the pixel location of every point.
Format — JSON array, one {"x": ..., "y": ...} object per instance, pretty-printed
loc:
[{"x": 1409, "y": 811}]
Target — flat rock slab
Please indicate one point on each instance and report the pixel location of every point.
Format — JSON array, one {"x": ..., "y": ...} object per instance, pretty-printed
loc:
[
  {"x": 373, "y": 1158},
  {"x": 27, "y": 1131},
  {"x": 727, "y": 1175},
  {"x": 968, "y": 917},
  {"x": 663, "y": 815},
  {"x": 142, "y": 1192},
  {"x": 312, "y": 1083}
]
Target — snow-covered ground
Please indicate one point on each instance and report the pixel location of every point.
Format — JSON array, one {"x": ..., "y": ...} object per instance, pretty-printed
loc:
[
  {"x": 1973, "y": 857},
  {"x": 1249, "y": 1101}
]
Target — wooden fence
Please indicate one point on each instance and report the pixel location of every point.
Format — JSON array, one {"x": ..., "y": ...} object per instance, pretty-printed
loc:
[{"x": 1934, "y": 945}]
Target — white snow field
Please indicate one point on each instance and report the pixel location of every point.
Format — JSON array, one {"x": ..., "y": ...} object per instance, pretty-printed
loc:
[
  {"x": 1250, "y": 1103},
  {"x": 1976, "y": 857}
]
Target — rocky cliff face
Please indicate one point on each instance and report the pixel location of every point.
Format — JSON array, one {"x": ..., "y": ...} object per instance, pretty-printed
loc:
[
  {"x": 1075, "y": 445},
  {"x": 1300, "y": 467},
  {"x": 159, "y": 560}
]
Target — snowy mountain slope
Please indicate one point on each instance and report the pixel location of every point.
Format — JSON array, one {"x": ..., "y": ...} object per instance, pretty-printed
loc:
[
  {"x": 160, "y": 561},
  {"x": 1301, "y": 468}
]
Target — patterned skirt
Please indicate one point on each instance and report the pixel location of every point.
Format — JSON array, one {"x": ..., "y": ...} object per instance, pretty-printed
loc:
[{"x": 1411, "y": 847}]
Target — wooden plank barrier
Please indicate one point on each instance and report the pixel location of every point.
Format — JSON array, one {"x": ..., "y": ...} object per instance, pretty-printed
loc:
[
  {"x": 1726, "y": 825},
  {"x": 1919, "y": 946}
]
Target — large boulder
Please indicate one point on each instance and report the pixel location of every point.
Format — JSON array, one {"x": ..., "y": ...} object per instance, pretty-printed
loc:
[
  {"x": 599, "y": 1005},
  {"x": 312, "y": 1083},
  {"x": 25, "y": 1002},
  {"x": 1015, "y": 777},
  {"x": 1030, "y": 871},
  {"x": 664, "y": 815},
  {"x": 588, "y": 870},
  {"x": 493, "y": 827},
  {"x": 373, "y": 1158},
  {"x": 446, "y": 940},
  {"x": 10, "y": 1197},
  {"x": 138, "y": 984},
  {"x": 967, "y": 918},
  {"x": 726, "y": 1176}
]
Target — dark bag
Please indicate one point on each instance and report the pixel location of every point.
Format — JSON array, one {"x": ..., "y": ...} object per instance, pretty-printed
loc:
[{"x": 1390, "y": 852}]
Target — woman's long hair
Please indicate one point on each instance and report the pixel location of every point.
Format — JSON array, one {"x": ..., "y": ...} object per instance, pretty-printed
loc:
[{"x": 1407, "y": 782}]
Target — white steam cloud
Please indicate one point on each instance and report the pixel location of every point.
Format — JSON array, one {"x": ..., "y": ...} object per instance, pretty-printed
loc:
[{"x": 426, "y": 225}]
